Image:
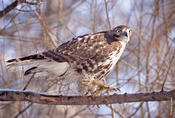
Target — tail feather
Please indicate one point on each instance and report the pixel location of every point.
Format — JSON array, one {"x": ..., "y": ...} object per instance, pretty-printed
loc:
[
  {"x": 24, "y": 60},
  {"x": 39, "y": 63},
  {"x": 30, "y": 71},
  {"x": 31, "y": 57},
  {"x": 27, "y": 60}
]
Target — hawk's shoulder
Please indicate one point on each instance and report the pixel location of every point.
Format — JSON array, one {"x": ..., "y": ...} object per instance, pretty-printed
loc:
[{"x": 78, "y": 48}]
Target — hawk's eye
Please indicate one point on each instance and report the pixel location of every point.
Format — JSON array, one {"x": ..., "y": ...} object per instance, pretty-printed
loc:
[
  {"x": 118, "y": 31},
  {"x": 117, "y": 34}
]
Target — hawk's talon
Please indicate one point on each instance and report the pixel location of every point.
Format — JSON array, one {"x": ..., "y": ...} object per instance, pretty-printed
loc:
[{"x": 103, "y": 87}]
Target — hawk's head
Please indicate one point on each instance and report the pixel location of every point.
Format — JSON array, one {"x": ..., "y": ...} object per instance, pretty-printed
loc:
[{"x": 121, "y": 33}]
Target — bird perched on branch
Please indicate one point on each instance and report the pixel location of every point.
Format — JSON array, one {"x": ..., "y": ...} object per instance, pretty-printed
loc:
[{"x": 86, "y": 59}]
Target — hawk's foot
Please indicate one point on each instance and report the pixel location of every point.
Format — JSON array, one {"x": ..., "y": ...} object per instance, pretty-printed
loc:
[
  {"x": 103, "y": 87},
  {"x": 91, "y": 86}
]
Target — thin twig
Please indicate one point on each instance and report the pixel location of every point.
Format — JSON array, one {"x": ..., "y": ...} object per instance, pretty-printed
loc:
[
  {"x": 107, "y": 14},
  {"x": 23, "y": 110}
]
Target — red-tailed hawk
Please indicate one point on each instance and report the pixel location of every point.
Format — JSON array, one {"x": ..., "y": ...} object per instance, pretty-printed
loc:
[{"x": 87, "y": 59}]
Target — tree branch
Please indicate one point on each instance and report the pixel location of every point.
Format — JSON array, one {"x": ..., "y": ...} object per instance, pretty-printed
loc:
[
  {"x": 41, "y": 98},
  {"x": 13, "y": 5}
]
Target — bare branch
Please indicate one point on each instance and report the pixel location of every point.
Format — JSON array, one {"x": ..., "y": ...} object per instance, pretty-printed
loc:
[
  {"x": 107, "y": 14},
  {"x": 13, "y": 5},
  {"x": 41, "y": 98}
]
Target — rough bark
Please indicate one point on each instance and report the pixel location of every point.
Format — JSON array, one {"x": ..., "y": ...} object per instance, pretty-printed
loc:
[{"x": 41, "y": 98}]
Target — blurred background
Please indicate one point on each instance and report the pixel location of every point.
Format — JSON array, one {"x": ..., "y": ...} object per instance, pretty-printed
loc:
[{"x": 147, "y": 65}]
